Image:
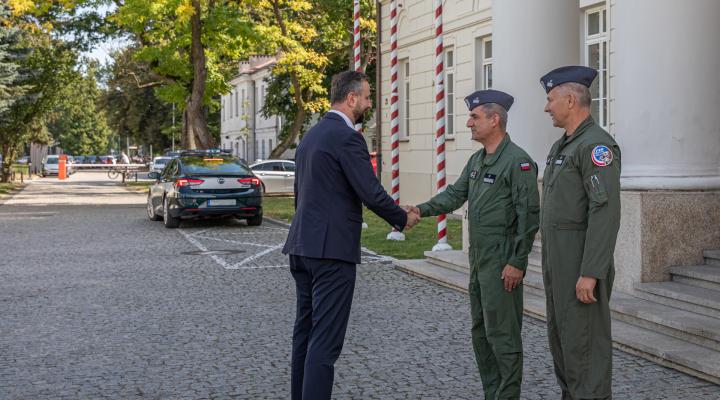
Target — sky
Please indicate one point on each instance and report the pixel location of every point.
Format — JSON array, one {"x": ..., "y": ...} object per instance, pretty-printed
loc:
[{"x": 103, "y": 50}]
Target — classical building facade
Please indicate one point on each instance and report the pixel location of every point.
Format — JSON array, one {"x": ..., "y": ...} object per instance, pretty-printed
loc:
[
  {"x": 657, "y": 93},
  {"x": 243, "y": 128}
]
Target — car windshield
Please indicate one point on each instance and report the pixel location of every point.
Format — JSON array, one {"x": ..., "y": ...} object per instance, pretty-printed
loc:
[
  {"x": 51, "y": 160},
  {"x": 213, "y": 165},
  {"x": 161, "y": 161}
]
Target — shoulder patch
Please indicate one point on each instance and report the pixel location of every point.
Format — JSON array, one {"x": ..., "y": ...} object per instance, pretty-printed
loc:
[
  {"x": 601, "y": 156},
  {"x": 525, "y": 166}
]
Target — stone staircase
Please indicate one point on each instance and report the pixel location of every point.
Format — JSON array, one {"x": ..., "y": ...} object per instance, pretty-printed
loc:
[{"x": 676, "y": 323}]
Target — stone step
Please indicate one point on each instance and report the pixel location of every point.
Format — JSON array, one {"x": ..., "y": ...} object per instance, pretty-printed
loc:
[
  {"x": 435, "y": 273},
  {"x": 705, "y": 276},
  {"x": 453, "y": 259},
  {"x": 681, "y": 324},
  {"x": 669, "y": 336},
  {"x": 691, "y": 298},
  {"x": 712, "y": 257}
]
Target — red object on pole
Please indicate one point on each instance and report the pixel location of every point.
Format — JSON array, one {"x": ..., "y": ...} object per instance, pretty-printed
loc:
[{"x": 62, "y": 167}]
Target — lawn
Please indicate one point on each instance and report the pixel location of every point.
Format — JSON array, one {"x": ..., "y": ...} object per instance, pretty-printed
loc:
[
  {"x": 5, "y": 188},
  {"x": 417, "y": 240}
]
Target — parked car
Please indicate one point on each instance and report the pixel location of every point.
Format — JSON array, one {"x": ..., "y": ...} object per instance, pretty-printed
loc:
[
  {"x": 25, "y": 160},
  {"x": 203, "y": 184},
  {"x": 277, "y": 176},
  {"x": 50, "y": 165},
  {"x": 159, "y": 163}
]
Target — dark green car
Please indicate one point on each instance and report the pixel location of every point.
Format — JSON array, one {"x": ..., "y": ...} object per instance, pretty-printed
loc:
[{"x": 205, "y": 184}]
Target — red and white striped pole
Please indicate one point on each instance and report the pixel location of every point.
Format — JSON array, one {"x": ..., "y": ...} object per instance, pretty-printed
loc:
[
  {"x": 356, "y": 35},
  {"x": 356, "y": 57},
  {"x": 442, "y": 243},
  {"x": 394, "y": 117}
]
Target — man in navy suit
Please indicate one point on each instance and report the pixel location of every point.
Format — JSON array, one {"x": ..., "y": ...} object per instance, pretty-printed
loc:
[{"x": 333, "y": 179}]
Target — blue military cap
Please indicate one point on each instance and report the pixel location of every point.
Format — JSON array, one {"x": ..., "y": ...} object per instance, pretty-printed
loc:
[
  {"x": 489, "y": 96},
  {"x": 573, "y": 73}
]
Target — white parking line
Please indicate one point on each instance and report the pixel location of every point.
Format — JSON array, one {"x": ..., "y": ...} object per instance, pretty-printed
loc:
[
  {"x": 230, "y": 241},
  {"x": 200, "y": 247},
  {"x": 256, "y": 256},
  {"x": 265, "y": 267}
]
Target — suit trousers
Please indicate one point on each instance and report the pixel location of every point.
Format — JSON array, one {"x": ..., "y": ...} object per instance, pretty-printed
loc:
[{"x": 324, "y": 296}]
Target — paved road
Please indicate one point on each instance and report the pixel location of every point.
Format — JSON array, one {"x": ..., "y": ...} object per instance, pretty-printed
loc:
[{"x": 99, "y": 302}]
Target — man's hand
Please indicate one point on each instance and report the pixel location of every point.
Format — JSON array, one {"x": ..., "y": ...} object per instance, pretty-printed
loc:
[
  {"x": 411, "y": 209},
  {"x": 585, "y": 289},
  {"x": 511, "y": 277},
  {"x": 412, "y": 217}
]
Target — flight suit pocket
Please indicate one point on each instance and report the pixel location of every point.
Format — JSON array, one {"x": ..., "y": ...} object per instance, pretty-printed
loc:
[{"x": 596, "y": 190}]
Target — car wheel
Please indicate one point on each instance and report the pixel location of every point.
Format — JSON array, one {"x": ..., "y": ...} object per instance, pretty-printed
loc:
[
  {"x": 151, "y": 210},
  {"x": 255, "y": 221},
  {"x": 169, "y": 221}
]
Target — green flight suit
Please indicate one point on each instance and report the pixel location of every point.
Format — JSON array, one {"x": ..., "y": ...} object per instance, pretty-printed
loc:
[
  {"x": 580, "y": 218},
  {"x": 503, "y": 217}
]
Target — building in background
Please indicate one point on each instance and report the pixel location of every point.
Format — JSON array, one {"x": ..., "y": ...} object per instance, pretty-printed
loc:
[
  {"x": 243, "y": 129},
  {"x": 656, "y": 93}
]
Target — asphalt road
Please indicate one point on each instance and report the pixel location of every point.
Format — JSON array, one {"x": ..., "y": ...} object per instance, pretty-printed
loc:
[{"x": 96, "y": 302}]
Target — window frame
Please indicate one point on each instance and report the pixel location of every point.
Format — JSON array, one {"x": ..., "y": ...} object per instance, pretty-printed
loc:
[
  {"x": 602, "y": 39},
  {"x": 450, "y": 95},
  {"x": 404, "y": 89}
]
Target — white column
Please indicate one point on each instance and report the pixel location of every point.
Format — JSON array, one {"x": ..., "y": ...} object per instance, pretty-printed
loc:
[
  {"x": 664, "y": 62},
  {"x": 530, "y": 38}
]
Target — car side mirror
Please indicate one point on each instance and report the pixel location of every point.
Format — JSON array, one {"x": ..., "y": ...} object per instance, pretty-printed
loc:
[{"x": 154, "y": 175}]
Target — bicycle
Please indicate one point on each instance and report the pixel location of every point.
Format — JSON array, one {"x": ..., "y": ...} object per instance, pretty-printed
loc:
[{"x": 117, "y": 171}]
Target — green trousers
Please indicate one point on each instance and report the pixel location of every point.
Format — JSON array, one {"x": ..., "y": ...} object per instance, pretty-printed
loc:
[
  {"x": 579, "y": 334},
  {"x": 496, "y": 323}
]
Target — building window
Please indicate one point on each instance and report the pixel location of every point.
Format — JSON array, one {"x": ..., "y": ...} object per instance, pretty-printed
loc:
[
  {"x": 237, "y": 106},
  {"x": 270, "y": 146},
  {"x": 404, "y": 100},
  {"x": 450, "y": 92},
  {"x": 596, "y": 56},
  {"x": 483, "y": 63}
]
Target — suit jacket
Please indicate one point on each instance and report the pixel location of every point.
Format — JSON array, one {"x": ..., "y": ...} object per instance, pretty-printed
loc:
[{"x": 333, "y": 178}]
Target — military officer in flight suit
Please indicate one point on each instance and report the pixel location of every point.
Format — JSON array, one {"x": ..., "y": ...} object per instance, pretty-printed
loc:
[
  {"x": 500, "y": 184},
  {"x": 580, "y": 218}
]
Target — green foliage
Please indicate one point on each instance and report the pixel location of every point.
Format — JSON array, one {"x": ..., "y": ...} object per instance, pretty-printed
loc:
[
  {"x": 135, "y": 111},
  {"x": 315, "y": 44},
  {"x": 163, "y": 31},
  {"x": 46, "y": 71},
  {"x": 10, "y": 57},
  {"x": 78, "y": 124}
]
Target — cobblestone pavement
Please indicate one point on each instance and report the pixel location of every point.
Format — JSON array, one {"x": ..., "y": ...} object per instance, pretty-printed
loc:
[{"x": 98, "y": 302}]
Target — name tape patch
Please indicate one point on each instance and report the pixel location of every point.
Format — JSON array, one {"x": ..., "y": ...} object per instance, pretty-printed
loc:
[{"x": 489, "y": 178}]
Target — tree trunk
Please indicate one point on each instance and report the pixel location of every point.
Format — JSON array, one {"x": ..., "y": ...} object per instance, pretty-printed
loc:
[
  {"x": 8, "y": 155},
  {"x": 197, "y": 132},
  {"x": 297, "y": 125}
]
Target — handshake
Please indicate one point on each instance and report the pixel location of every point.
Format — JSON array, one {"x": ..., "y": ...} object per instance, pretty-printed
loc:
[{"x": 413, "y": 216}]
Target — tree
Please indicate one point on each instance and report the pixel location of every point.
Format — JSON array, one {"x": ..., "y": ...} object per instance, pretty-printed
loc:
[
  {"x": 135, "y": 111},
  {"x": 78, "y": 124},
  {"x": 192, "y": 47},
  {"x": 45, "y": 72},
  {"x": 315, "y": 42},
  {"x": 10, "y": 56}
]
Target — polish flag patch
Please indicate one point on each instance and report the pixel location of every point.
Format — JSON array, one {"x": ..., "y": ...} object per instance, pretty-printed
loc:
[{"x": 524, "y": 166}]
